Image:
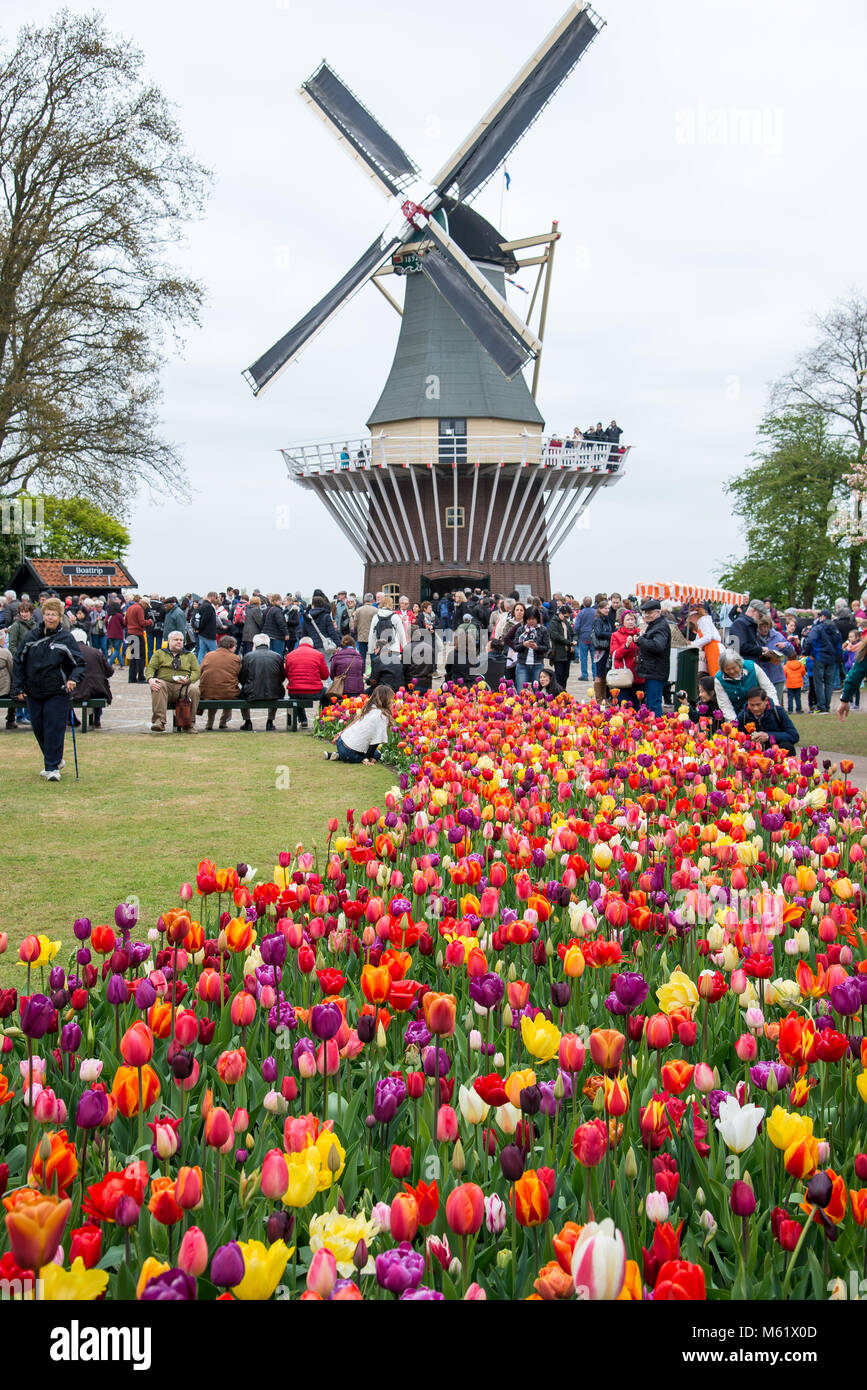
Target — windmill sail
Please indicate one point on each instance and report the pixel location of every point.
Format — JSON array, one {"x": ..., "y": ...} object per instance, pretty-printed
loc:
[
  {"x": 271, "y": 363},
  {"x": 388, "y": 164},
  {"x": 488, "y": 317},
  {"x": 500, "y": 129}
]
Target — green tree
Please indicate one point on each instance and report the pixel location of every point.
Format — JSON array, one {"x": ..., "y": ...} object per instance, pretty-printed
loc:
[
  {"x": 75, "y": 529},
  {"x": 95, "y": 191},
  {"x": 785, "y": 500}
]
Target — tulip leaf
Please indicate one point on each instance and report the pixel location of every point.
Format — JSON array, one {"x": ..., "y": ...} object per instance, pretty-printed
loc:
[{"x": 112, "y": 1259}]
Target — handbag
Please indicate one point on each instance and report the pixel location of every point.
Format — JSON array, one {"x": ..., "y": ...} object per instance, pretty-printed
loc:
[
  {"x": 619, "y": 678},
  {"x": 335, "y": 689},
  {"x": 183, "y": 711},
  {"x": 328, "y": 647}
]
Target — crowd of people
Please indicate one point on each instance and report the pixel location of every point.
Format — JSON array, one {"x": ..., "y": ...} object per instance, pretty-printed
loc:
[{"x": 233, "y": 647}]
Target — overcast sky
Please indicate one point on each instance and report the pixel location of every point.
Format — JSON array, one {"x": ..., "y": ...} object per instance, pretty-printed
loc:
[{"x": 695, "y": 246}]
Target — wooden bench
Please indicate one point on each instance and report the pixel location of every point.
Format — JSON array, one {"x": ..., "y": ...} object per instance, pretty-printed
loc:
[
  {"x": 87, "y": 708},
  {"x": 290, "y": 703}
]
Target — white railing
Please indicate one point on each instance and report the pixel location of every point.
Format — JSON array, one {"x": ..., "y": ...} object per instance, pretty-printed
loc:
[{"x": 382, "y": 450}]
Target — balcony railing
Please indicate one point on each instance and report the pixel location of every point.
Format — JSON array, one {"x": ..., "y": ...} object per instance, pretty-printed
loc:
[{"x": 383, "y": 450}]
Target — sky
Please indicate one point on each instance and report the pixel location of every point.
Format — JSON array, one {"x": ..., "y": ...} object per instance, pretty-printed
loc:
[{"x": 703, "y": 160}]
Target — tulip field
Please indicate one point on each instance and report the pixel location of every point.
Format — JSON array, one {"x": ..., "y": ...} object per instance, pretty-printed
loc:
[{"x": 576, "y": 1014}]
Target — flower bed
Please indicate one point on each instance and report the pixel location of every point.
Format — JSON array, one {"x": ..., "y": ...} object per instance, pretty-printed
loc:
[{"x": 576, "y": 1014}]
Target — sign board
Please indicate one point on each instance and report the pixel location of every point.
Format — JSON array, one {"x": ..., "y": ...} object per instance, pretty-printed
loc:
[{"x": 90, "y": 571}]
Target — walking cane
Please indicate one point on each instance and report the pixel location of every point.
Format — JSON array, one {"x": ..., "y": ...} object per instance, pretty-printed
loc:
[{"x": 74, "y": 747}]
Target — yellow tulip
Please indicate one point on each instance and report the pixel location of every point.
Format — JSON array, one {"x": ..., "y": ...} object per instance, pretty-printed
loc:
[
  {"x": 602, "y": 856},
  {"x": 263, "y": 1269},
  {"x": 785, "y": 1129},
  {"x": 149, "y": 1270},
  {"x": 61, "y": 1285},
  {"x": 541, "y": 1038},
  {"x": 861, "y": 1083},
  {"x": 332, "y": 1159},
  {"x": 340, "y": 1235},
  {"x": 680, "y": 992},
  {"x": 517, "y": 1081},
  {"x": 47, "y": 951},
  {"x": 303, "y": 1178}
]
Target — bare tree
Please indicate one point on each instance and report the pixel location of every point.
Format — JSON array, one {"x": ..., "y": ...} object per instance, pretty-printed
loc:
[
  {"x": 95, "y": 190},
  {"x": 832, "y": 377}
]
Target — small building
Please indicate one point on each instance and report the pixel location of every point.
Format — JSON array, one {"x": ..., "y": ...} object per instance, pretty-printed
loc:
[{"x": 69, "y": 578}]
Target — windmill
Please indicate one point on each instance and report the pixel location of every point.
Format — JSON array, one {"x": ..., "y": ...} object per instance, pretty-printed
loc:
[{"x": 455, "y": 439}]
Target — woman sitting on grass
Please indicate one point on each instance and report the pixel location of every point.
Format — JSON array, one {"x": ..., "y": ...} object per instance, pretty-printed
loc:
[{"x": 359, "y": 742}]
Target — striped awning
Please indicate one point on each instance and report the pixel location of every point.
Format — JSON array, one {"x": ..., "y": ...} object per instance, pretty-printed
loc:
[{"x": 689, "y": 593}]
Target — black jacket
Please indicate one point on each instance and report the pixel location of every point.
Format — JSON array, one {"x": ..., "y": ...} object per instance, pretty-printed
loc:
[
  {"x": 654, "y": 648},
  {"x": 262, "y": 675},
  {"x": 94, "y": 684},
  {"x": 775, "y": 722},
  {"x": 537, "y": 634},
  {"x": 207, "y": 626},
  {"x": 323, "y": 620},
  {"x": 275, "y": 623},
  {"x": 743, "y": 636},
  {"x": 562, "y": 637},
  {"x": 45, "y": 662},
  {"x": 603, "y": 627}
]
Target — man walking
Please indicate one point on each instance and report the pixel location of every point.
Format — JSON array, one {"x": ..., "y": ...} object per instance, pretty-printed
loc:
[
  {"x": 584, "y": 635},
  {"x": 823, "y": 644},
  {"x": 48, "y": 666},
  {"x": 207, "y": 627},
  {"x": 362, "y": 619}
]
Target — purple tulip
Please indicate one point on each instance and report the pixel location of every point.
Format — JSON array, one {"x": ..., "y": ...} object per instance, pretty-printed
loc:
[
  {"x": 38, "y": 1016},
  {"x": 325, "y": 1021},
  {"x": 70, "y": 1037},
  {"x": 422, "y": 1295},
  {"x": 127, "y": 1211},
  {"x": 81, "y": 928},
  {"x": 715, "y": 1100},
  {"x": 762, "y": 1070},
  {"x": 845, "y": 998},
  {"x": 282, "y": 1015},
  {"x": 117, "y": 991},
  {"x": 631, "y": 989},
  {"x": 614, "y": 1006},
  {"x": 145, "y": 995},
  {"x": 388, "y": 1097},
  {"x": 416, "y": 1034},
  {"x": 302, "y": 1045},
  {"x": 269, "y": 1070},
  {"x": 273, "y": 949},
  {"x": 227, "y": 1265},
  {"x": 92, "y": 1109},
  {"x": 429, "y": 1061},
  {"x": 125, "y": 916},
  {"x": 83, "y": 956},
  {"x": 487, "y": 990},
  {"x": 172, "y": 1286},
  {"x": 56, "y": 977},
  {"x": 139, "y": 952},
  {"x": 400, "y": 1269}
]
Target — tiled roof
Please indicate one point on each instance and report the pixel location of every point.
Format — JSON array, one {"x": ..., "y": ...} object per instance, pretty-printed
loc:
[{"x": 51, "y": 575}]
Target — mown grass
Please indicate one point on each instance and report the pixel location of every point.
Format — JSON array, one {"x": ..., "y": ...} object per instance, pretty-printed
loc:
[
  {"x": 845, "y": 738},
  {"x": 144, "y": 813}
]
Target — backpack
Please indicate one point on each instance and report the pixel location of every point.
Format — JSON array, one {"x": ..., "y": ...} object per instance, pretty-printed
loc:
[
  {"x": 383, "y": 629},
  {"x": 240, "y": 614}
]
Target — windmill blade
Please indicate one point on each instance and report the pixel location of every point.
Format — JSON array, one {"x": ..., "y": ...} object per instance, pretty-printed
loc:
[
  {"x": 271, "y": 363},
  {"x": 507, "y": 340},
  {"x": 500, "y": 129},
  {"x": 388, "y": 165}
]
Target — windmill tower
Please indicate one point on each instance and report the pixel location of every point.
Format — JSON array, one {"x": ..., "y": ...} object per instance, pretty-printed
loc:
[{"x": 456, "y": 483}]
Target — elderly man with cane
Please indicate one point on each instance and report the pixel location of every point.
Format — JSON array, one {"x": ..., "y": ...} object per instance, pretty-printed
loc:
[{"x": 48, "y": 666}]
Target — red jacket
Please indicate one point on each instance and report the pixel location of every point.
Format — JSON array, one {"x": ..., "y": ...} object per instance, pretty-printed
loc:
[
  {"x": 621, "y": 655},
  {"x": 306, "y": 669},
  {"x": 135, "y": 621}
]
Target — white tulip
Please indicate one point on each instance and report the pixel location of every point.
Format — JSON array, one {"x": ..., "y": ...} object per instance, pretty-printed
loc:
[{"x": 738, "y": 1124}]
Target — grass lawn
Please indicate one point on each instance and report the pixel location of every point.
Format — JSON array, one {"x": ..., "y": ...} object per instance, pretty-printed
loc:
[
  {"x": 144, "y": 813},
  {"x": 847, "y": 737}
]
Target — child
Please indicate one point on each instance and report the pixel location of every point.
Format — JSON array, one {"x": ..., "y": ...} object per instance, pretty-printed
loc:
[
  {"x": 794, "y": 673},
  {"x": 359, "y": 742},
  {"x": 850, "y": 647}
]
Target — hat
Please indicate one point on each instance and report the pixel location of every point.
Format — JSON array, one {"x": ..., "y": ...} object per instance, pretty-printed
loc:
[
  {"x": 758, "y": 607},
  {"x": 650, "y": 605},
  {"x": 317, "y": 593},
  {"x": 824, "y": 612}
]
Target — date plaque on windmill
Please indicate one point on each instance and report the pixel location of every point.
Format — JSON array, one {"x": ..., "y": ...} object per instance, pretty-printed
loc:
[{"x": 406, "y": 262}]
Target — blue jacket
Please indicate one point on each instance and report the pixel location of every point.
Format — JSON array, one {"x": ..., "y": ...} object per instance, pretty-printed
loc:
[
  {"x": 824, "y": 643},
  {"x": 584, "y": 624},
  {"x": 774, "y": 722}
]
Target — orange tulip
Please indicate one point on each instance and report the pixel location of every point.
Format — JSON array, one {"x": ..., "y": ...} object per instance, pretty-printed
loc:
[
  {"x": 125, "y": 1090},
  {"x": 60, "y": 1167},
  {"x": 616, "y": 1096},
  {"x": 163, "y": 1204},
  {"x": 188, "y": 1188},
  {"x": 218, "y": 1127},
  {"x": 239, "y": 935},
  {"x": 232, "y": 1065},
  {"x": 606, "y": 1048},
  {"x": 530, "y": 1200},
  {"x": 801, "y": 1159},
  {"x": 564, "y": 1243},
  {"x": 243, "y": 1009},
  {"x": 465, "y": 1209},
  {"x": 35, "y": 1226},
  {"x": 858, "y": 1203},
  {"x": 440, "y": 1011},
  {"x": 375, "y": 983},
  {"x": 160, "y": 1018},
  {"x": 676, "y": 1075},
  {"x": 553, "y": 1282}
]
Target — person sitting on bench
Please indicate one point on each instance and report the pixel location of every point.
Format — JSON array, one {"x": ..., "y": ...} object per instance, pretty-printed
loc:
[
  {"x": 261, "y": 678},
  {"x": 306, "y": 669},
  {"x": 219, "y": 678},
  {"x": 98, "y": 671},
  {"x": 172, "y": 672}
]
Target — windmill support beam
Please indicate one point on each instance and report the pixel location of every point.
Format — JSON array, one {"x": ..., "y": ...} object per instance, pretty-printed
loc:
[
  {"x": 564, "y": 507},
  {"x": 497, "y": 473},
  {"x": 455, "y": 505},
  {"x": 545, "y": 514},
  {"x": 402, "y": 508},
  {"x": 569, "y": 521},
  {"x": 350, "y": 535},
  {"x": 358, "y": 528},
  {"x": 526, "y": 494},
  {"x": 359, "y": 508},
  {"x": 398, "y": 539},
  {"x": 495, "y": 553},
  {"x": 539, "y": 497},
  {"x": 437, "y": 513},
  {"x": 418, "y": 508},
  {"x": 377, "y": 545},
  {"x": 390, "y": 297},
  {"x": 472, "y": 512}
]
